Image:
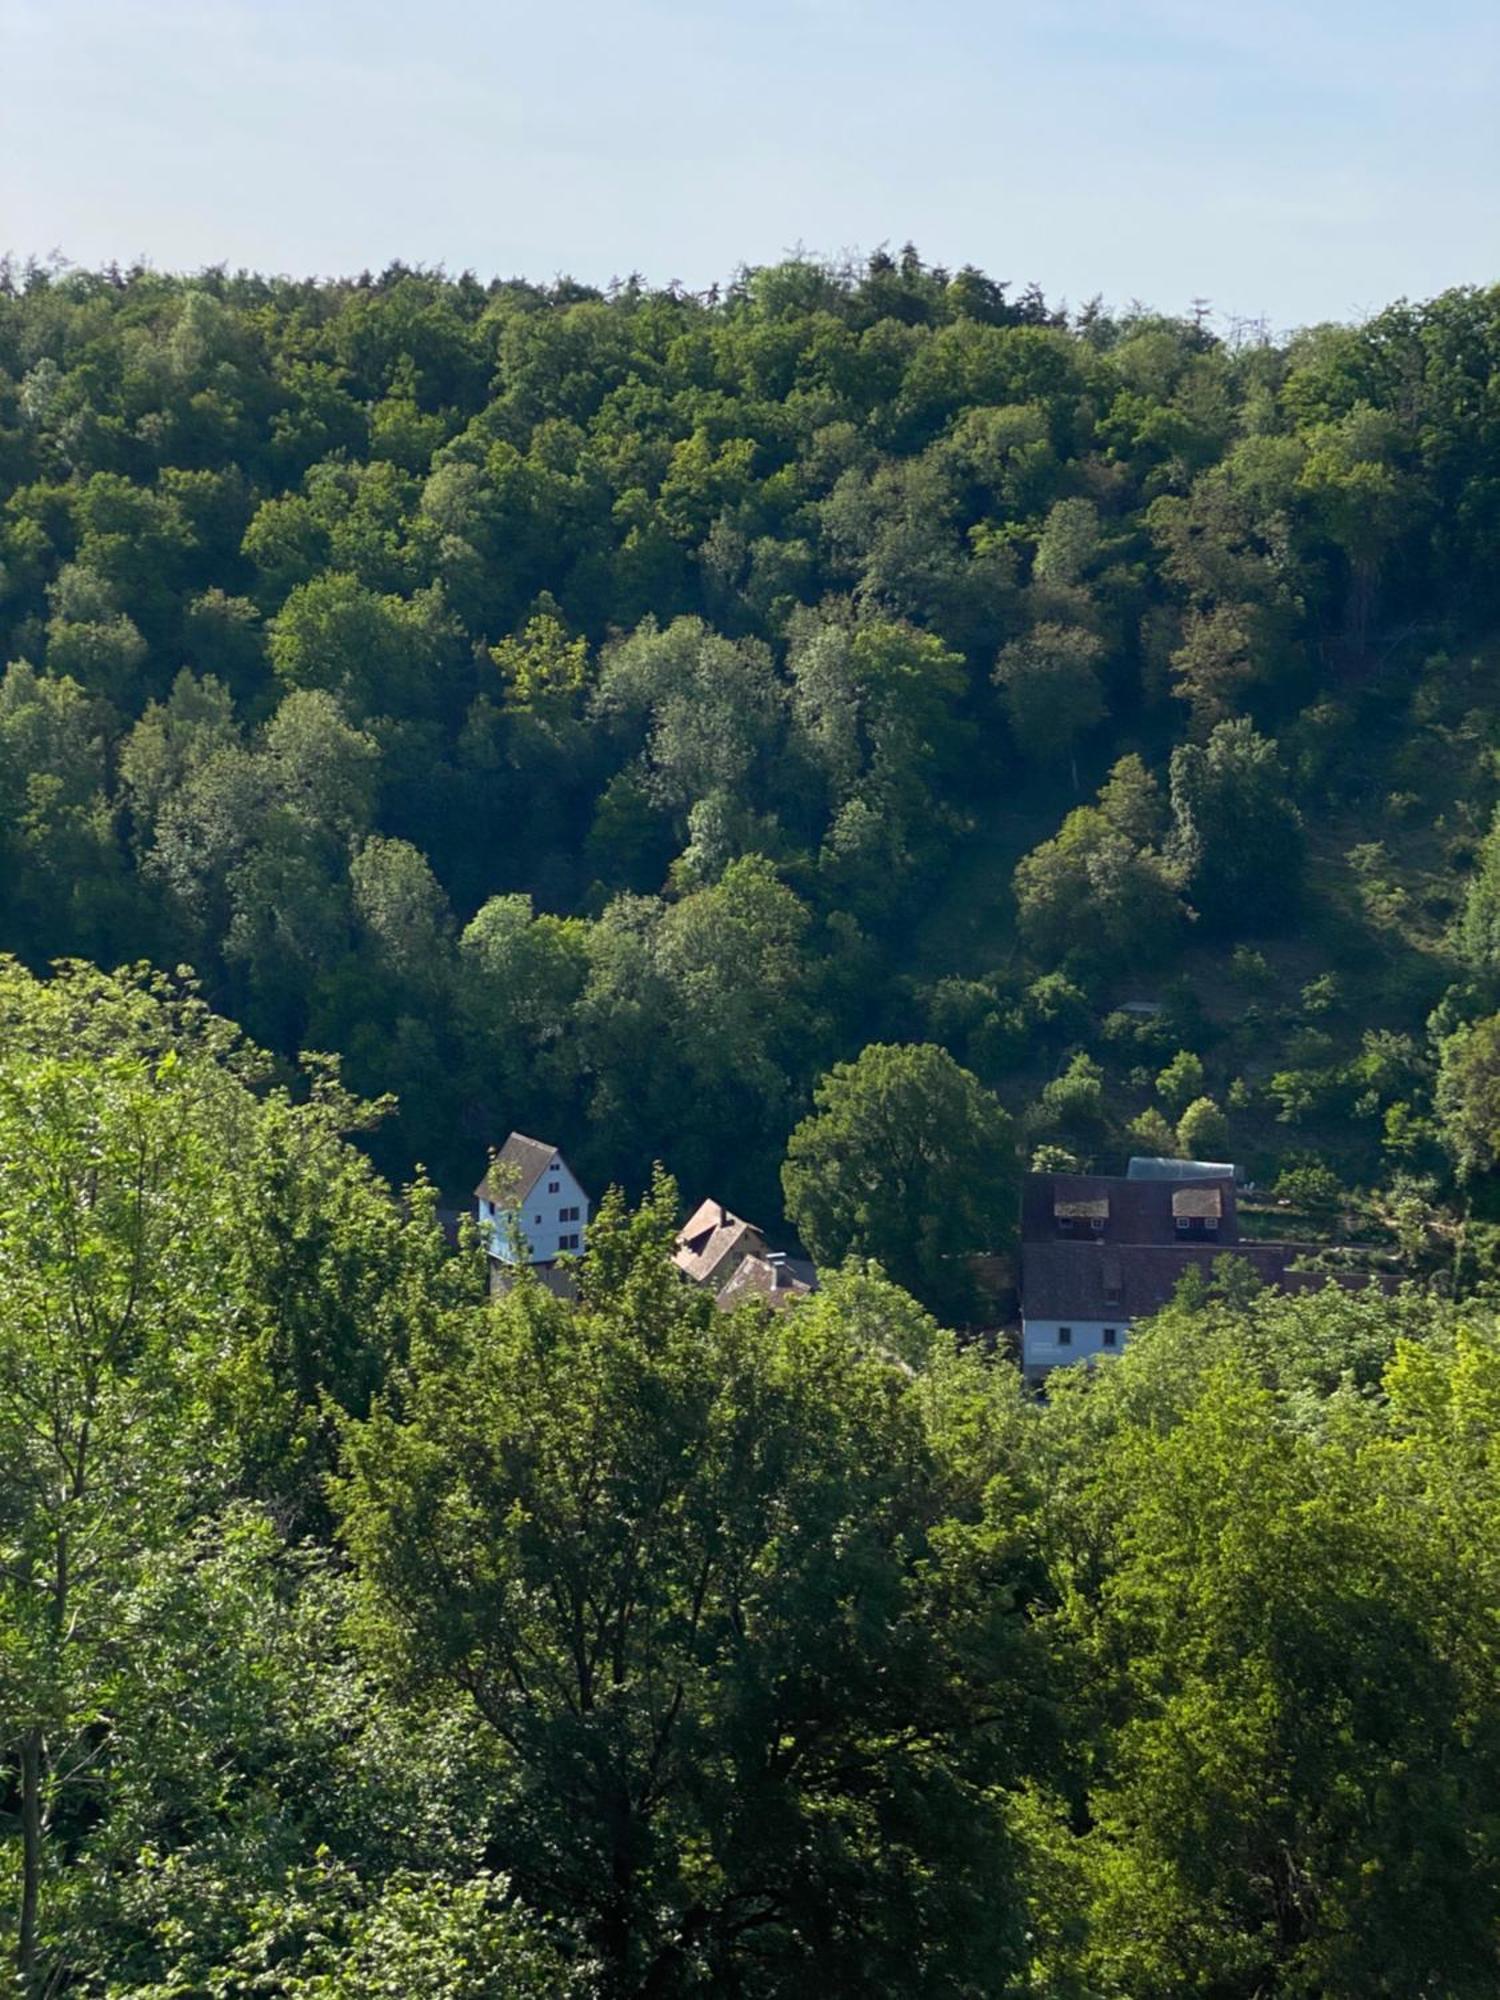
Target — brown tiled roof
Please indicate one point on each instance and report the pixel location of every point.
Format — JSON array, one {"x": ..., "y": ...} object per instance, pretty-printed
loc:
[
  {"x": 1135, "y": 1211},
  {"x": 1127, "y": 1281},
  {"x": 759, "y": 1277},
  {"x": 711, "y": 1234},
  {"x": 515, "y": 1170},
  {"x": 705, "y": 1218}
]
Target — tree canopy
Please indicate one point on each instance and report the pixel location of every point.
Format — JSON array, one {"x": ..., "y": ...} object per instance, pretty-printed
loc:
[
  {"x": 907, "y": 1157},
  {"x": 1017, "y": 644},
  {"x": 834, "y": 737},
  {"x": 362, "y": 1633}
]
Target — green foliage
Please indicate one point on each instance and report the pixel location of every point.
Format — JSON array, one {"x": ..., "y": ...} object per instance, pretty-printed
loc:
[
  {"x": 1203, "y": 1131},
  {"x": 413, "y": 1935},
  {"x": 1236, "y": 838},
  {"x": 1468, "y": 1096},
  {"x": 1153, "y": 1134},
  {"x": 1249, "y": 968},
  {"x": 908, "y": 1158},
  {"x": 1270, "y": 1818},
  {"x": 1181, "y": 1081},
  {"x": 1052, "y": 690},
  {"x": 1480, "y": 927},
  {"x": 690, "y": 1573},
  {"x": 588, "y": 598},
  {"x": 544, "y": 671},
  {"x": 1100, "y": 892},
  {"x": 1311, "y": 1184},
  {"x": 360, "y": 1634},
  {"x": 196, "y": 1275},
  {"x": 608, "y": 715},
  {"x": 1072, "y": 1107}
]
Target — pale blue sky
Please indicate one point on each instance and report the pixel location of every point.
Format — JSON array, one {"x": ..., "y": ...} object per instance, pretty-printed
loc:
[{"x": 1295, "y": 161}]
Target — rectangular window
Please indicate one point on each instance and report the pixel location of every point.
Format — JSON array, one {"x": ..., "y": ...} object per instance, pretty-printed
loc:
[
  {"x": 553, "y": 1186},
  {"x": 567, "y": 1242},
  {"x": 567, "y": 1215},
  {"x": 1111, "y": 1336},
  {"x": 1065, "y": 1336},
  {"x": 1096, "y": 1223}
]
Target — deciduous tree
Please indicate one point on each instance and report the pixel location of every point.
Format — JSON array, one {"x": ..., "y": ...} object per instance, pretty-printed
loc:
[{"x": 905, "y": 1158}]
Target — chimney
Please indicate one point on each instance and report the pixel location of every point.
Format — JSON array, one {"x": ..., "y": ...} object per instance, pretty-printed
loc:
[{"x": 723, "y": 1216}]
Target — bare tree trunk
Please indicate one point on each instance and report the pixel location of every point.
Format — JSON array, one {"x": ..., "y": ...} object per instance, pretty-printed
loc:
[{"x": 31, "y": 1860}]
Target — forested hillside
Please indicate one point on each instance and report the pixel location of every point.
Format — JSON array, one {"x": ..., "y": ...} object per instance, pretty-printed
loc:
[
  {"x": 601, "y": 713},
  {"x": 365, "y": 1639}
]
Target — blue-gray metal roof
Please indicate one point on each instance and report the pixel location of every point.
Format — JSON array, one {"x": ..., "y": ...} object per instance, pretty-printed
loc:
[{"x": 1144, "y": 1168}]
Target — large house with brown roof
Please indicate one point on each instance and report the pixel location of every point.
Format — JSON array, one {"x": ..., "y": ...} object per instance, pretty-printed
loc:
[
  {"x": 532, "y": 1207},
  {"x": 1098, "y": 1253}
]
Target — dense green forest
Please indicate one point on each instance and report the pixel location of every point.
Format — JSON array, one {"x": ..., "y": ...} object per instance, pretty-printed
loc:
[
  {"x": 363, "y": 1636},
  {"x": 601, "y": 713},
  {"x": 838, "y": 738}
]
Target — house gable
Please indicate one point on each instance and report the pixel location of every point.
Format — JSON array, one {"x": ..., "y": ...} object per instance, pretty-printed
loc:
[
  {"x": 532, "y": 1207},
  {"x": 713, "y": 1242}
]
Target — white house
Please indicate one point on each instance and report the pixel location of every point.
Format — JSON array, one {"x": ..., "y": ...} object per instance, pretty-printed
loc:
[{"x": 532, "y": 1206}]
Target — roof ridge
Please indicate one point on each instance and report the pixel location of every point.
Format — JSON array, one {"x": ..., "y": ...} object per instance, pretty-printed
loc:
[{"x": 530, "y": 1158}]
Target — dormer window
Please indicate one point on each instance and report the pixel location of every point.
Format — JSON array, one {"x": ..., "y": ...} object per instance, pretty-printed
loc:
[
  {"x": 1196, "y": 1211},
  {"x": 1076, "y": 1217}
]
